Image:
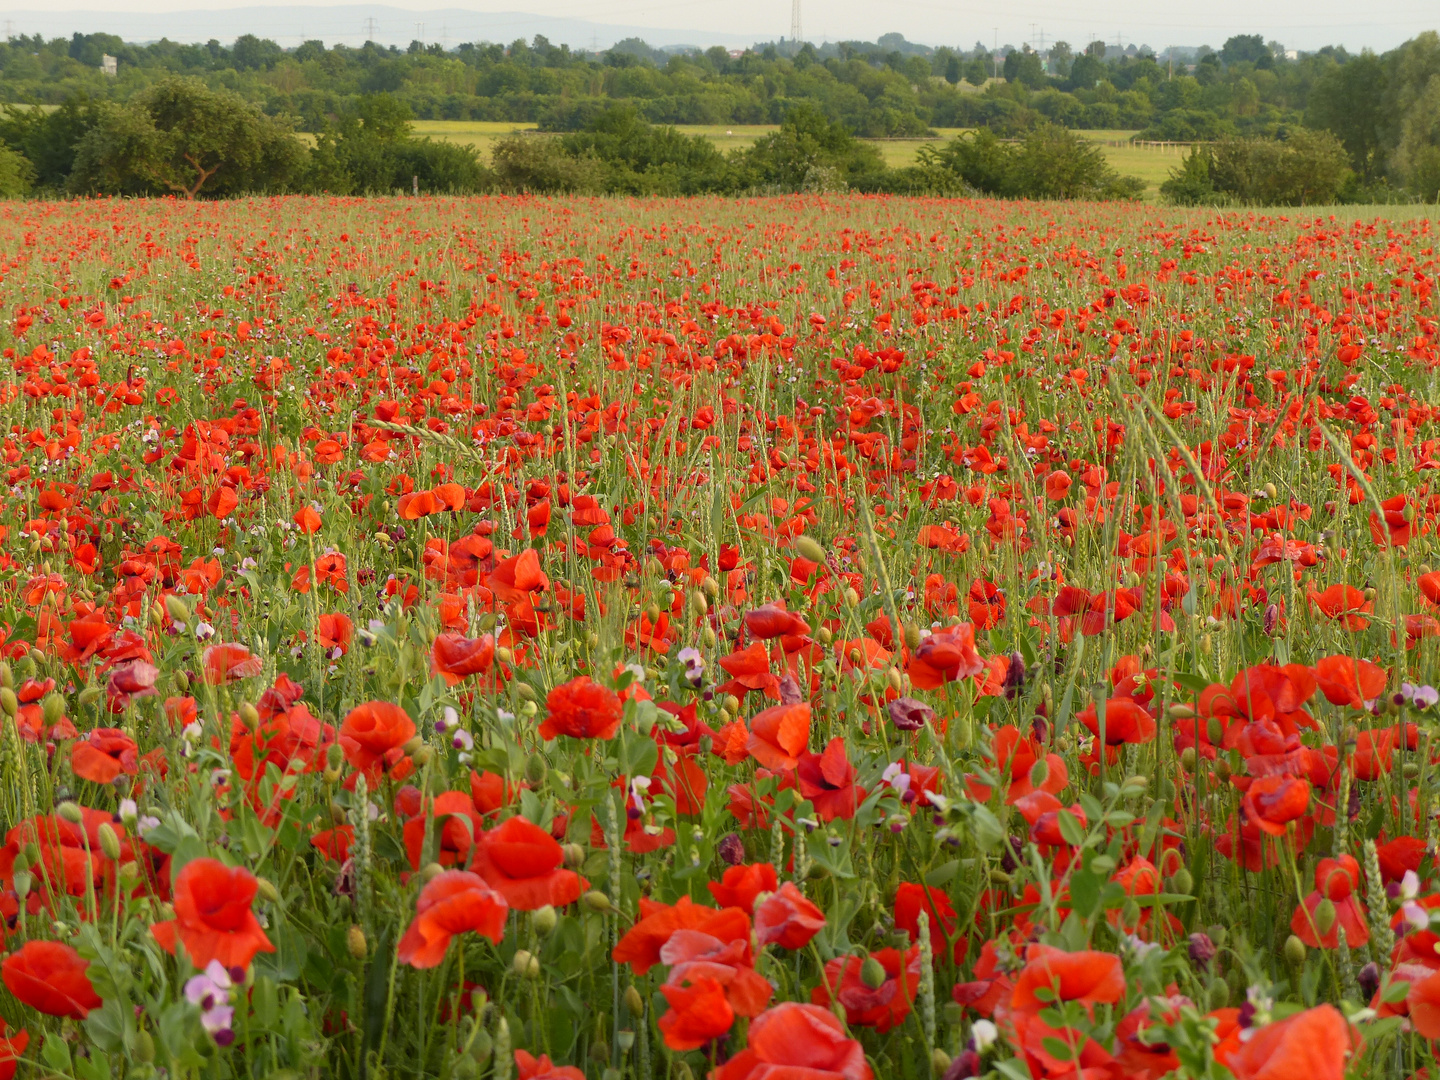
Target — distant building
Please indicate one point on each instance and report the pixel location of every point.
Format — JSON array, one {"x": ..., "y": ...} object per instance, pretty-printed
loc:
[
  {"x": 736, "y": 54},
  {"x": 1292, "y": 54},
  {"x": 109, "y": 65}
]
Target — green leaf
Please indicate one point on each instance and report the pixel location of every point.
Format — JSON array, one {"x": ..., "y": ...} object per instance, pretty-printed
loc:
[
  {"x": 1085, "y": 892},
  {"x": 56, "y": 1054},
  {"x": 1395, "y": 992},
  {"x": 106, "y": 1026},
  {"x": 942, "y": 874},
  {"x": 1070, "y": 828}
]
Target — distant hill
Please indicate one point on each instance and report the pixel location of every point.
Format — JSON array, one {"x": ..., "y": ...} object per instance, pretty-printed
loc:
[{"x": 348, "y": 24}]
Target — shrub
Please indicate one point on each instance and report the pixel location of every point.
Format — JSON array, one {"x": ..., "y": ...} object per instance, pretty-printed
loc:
[{"x": 539, "y": 163}]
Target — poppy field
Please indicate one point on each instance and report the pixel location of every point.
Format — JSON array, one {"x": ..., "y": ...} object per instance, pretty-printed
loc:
[{"x": 790, "y": 639}]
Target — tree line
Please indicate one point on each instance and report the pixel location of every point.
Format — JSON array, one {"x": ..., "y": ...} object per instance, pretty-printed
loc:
[{"x": 211, "y": 121}]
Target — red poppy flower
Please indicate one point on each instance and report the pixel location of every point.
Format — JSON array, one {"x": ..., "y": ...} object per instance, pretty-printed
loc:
[
  {"x": 455, "y": 656},
  {"x": 228, "y": 663},
  {"x": 987, "y": 604},
  {"x": 1312, "y": 1045},
  {"x": 1271, "y": 802},
  {"x": 453, "y": 902},
  {"x": 541, "y": 1068},
  {"x": 803, "y": 1042},
  {"x": 1126, "y": 721},
  {"x": 521, "y": 861},
  {"x": 945, "y": 656},
  {"x": 334, "y": 630},
  {"x": 641, "y": 945},
  {"x": 213, "y": 919},
  {"x": 698, "y": 1013},
  {"x": 103, "y": 754},
  {"x": 1345, "y": 604},
  {"x": 779, "y": 735},
  {"x": 828, "y": 781},
  {"x": 911, "y": 899},
  {"x": 1091, "y": 978},
  {"x": 582, "y": 709},
  {"x": 1335, "y": 880},
  {"x": 1345, "y": 680},
  {"x": 11, "y": 1047},
  {"x": 772, "y": 621},
  {"x": 740, "y": 885},
  {"x": 786, "y": 918},
  {"x": 49, "y": 976},
  {"x": 453, "y": 817},
  {"x": 693, "y": 954},
  {"x": 372, "y": 736},
  {"x": 882, "y": 1007}
]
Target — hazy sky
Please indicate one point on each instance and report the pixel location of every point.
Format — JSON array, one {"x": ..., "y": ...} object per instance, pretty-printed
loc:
[{"x": 1302, "y": 24}]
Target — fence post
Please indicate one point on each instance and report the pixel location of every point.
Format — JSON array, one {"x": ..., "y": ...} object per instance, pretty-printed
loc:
[{"x": 415, "y": 185}]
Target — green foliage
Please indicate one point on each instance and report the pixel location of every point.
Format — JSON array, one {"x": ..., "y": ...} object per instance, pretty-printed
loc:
[
  {"x": 47, "y": 139},
  {"x": 16, "y": 174},
  {"x": 181, "y": 137},
  {"x": 540, "y": 163},
  {"x": 1190, "y": 183},
  {"x": 1310, "y": 168},
  {"x": 370, "y": 151},
  {"x": 643, "y": 159},
  {"x": 1049, "y": 163},
  {"x": 810, "y": 153}
]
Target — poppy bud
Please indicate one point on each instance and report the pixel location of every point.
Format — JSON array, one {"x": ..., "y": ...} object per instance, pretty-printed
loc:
[
  {"x": 429, "y": 872},
  {"x": 1325, "y": 916},
  {"x": 1369, "y": 980},
  {"x": 422, "y": 756},
  {"x": 332, "y": 775},
  {"x": 851, "y": 597},
  {"x": 177, "y": 608},
  {"x": 939, "y": 1061},
  {"x": 634, "y": 1002},
  {"x": 8, "y": 701},
  {"x": 182, "y": 681},
  {"x": 411, "y": 745},
  {"x": 524, "y": 689},
  {"x": 505, "y": 656},
  {"x": 266, "y": 888},
  {"x": 1222, "y": 768},
  {"x": 1294, "y": 951},
  {"x": 249, "y": 714},
  {"x": 334, "y": 756},
  {"x": 144, "y": 1046},
  {"x": 912, "y": 636},
  {"x": 543, "y": 920},
  {"x": 597, "y": 901},
  {"x": 625, "y": 1039},
  {"x": 68, "y": 811},
  {"x": 699, "y": 606},
  {"x": 824, "y": 635},
  {"x": 355, "y": 943},
  {"x": 1187, "y": 759},
  {"x": 88, "y": 696},
  {"x": 872, "y": 973},
  {"x": 708, "y": 638},
  {"x": 525, "y": 964},
  {"x": 1039, "y": 773},
  {"x": 1179, "y": 711},
  {"x": 808, "y": 548},
  {"x": 109, "y": 842},
  {"x": 732, "y": 703},
  {"x": 1271, "y": 491},
  {"x": 1218, "y": 934},
  {"x": 599, "y": 1049},
  {"x": 574, "y": 856},
  {"x": 892, "y": 677},
  {"x": 129, "y": 876},
  {"x": 1182, "y": 881},
  {"x": 7, "y": 677}
]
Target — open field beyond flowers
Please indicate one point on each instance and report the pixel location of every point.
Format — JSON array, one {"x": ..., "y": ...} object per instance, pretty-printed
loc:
[{"x": 797, "y": 638}]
